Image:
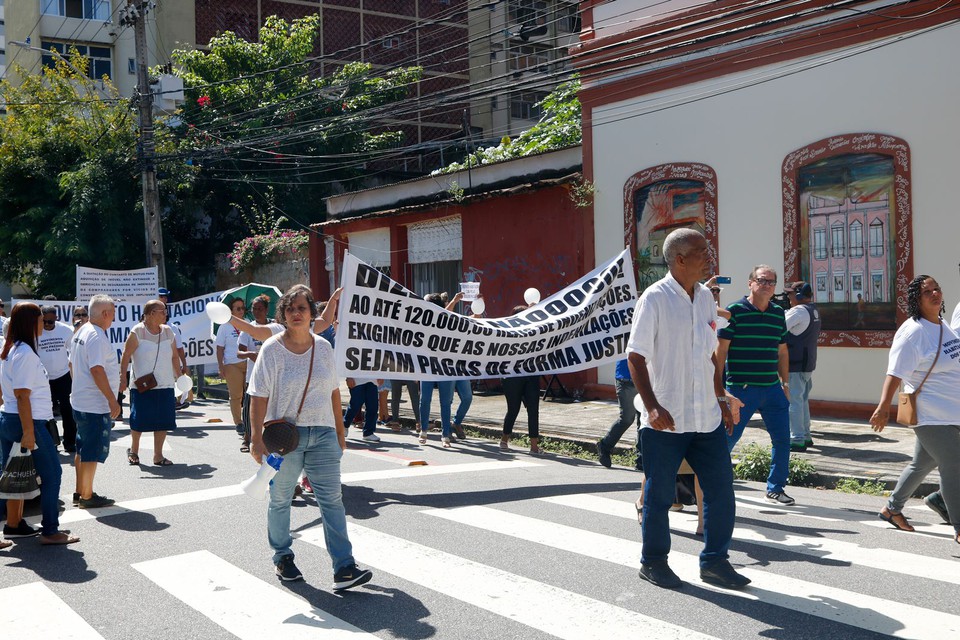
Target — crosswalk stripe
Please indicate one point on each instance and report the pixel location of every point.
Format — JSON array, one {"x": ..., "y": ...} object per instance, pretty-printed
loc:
[
  {"x": 34, "y": 611},
  {"x": 550, "y": 609},
  {"x": 800, "y": 511},
  {"x": 838, "y": 605},
  {"x": 202, "y": 495},
  {"x": 910, "y": 564},
  {"x": 244, "y": 605}
]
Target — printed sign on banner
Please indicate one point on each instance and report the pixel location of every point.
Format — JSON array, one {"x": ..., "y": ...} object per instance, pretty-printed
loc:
[
  {"x": 135, "y": 284},
  {"x": 387, "y": 330},
  {"x": 189, "y": 315}
]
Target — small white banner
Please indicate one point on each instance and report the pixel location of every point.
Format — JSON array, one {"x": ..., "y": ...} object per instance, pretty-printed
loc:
[
  {"x": 387, "y": 331},
  {"x": 189, "y": 315},
  {"x": 134, "y": 285}
]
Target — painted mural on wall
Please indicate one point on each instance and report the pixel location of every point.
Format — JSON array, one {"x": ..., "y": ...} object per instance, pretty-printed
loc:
[
  {"x": 661, "y": 199},
  {"x": 847, "y": 233}
]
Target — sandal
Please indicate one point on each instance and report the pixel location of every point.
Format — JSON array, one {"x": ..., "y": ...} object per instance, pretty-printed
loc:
[
  {"x": 445, "y": 442},
  {"x": 245, "y": 447},
  {"x": 132, "y": 458},
  {"x": 897, "y": 519},
  {"x": 61, "y": 537},
  {"x": 163, "y": 462},
  {"x": 423, "y": 437},
  {"x": 504, "y": 445}
]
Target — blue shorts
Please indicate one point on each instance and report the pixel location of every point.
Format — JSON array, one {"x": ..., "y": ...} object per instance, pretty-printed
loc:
[{"x": 93, "y": 435}]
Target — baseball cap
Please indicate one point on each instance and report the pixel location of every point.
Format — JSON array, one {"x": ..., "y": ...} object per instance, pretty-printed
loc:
[
  {"x": 163, "y": 291},
  {"x": 802, "y": 289}
]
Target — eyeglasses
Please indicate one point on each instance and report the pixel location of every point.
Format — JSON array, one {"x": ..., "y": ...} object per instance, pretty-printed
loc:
[
  {"x": 765, "y": 282},
  {"x": 81, "y": 315}
]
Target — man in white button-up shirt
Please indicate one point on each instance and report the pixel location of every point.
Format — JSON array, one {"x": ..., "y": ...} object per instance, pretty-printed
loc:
[{"x": 685, "y": 410}]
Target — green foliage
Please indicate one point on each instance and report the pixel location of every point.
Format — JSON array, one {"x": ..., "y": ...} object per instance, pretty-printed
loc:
[
  {"x": 754, "y": 465},
  {"x": 559, "y": 127},
  {"x": 69, "y": 178},
  {"x": 256, "y": 113},
  {"x": 252, "y": 251},
  {"x": 582, "y": 192},
  {"x": 868, "y": 487}
]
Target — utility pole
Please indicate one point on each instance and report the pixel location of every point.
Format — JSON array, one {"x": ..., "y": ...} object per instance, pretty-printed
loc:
[{"x": 134, "y": 15}]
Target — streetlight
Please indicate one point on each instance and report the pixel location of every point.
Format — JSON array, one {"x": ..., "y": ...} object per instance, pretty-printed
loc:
[{"x": 53, "y": 52}]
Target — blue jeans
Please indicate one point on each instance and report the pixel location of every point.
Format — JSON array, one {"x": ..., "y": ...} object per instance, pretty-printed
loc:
[
  {"x": 366, "y": 396},
  {"x": 800, "y": 384},
  {"x": 45, "y": 459},
  {"x": 463, "y": 390},
  {"x": 626, "y": 392},
  {"x": 708, "y": 456},
  {"x": 319, "y": 455},
  {"x": 775, "y": 411},
  {"x": 446, "y": 401}
]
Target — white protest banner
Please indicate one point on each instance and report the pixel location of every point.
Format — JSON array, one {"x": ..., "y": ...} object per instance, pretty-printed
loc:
[
  {"x": 136, "y": 284},
  {"x": 188, "y": 315},
  {"x": 387, "y": 331}
]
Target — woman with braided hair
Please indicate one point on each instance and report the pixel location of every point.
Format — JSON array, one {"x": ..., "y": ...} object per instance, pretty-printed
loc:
[{"x": 925, "y": 353}]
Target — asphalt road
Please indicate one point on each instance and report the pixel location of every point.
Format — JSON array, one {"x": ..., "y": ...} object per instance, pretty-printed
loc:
[{"x": 475, "y": 544}]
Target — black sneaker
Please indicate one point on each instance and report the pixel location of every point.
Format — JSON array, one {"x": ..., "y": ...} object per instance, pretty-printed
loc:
[
  {"x": 350, "y": 576},
  {"x": 287, "y": 571},
  {"x": 661, "y": 575},
  {"x": 22, "y": 530},
  {"x": 603, "y": 455},
  {"x": 936, "y": 503},
  {"x": 722, "y": 574},
  {"x": 95, "y": 502},
  {"x": 76, "y": 499},
  {"x": 779, "y": 497}
]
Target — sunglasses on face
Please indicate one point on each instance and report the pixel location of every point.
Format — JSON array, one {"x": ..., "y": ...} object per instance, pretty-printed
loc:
[{"x": 81, "y": 315}]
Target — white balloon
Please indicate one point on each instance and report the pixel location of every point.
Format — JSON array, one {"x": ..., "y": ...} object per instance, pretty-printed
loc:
[
  {"x": 638, "y": 402},
  {"x": 218, "y": 312},
  {"x": 184, "y": 383},
  {"x": 531, "y": 296},
  {"x": 478, "y": 306}
]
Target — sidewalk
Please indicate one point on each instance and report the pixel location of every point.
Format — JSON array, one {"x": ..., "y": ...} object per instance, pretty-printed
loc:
[{"x": 841, "y": 449}]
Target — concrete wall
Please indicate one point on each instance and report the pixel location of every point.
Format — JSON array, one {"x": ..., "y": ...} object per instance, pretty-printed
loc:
[
  {"x": 908, "y": 89},
  {"x": 282, "y": 273}
]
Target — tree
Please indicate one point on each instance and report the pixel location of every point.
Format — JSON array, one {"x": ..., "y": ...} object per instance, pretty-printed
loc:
[
  {"x": 69, "y": 178},
  {"x": 560, "y": 126},
  {"x": 257, "y": 115}
]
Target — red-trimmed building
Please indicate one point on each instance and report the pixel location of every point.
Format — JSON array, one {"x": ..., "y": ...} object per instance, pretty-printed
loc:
[
  {"x": 819, "y": 138},
  {"x": 510, "y": 226}
]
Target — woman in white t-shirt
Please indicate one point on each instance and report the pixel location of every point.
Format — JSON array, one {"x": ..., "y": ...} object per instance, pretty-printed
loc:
[
  {"x": 295, "y": 379},
  {"x": 27, "y": 407},
  {"x": 913, "y": 354},
  {"x": 232, "y": 368},
  {"x": 153, "y": 348}
]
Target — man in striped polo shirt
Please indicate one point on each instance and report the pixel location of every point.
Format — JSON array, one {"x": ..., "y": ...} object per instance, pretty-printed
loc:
[{"x": 754, "y": 348}]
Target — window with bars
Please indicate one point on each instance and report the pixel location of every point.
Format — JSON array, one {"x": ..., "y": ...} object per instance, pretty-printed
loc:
[
  {"x": 99, "y": 59},
  {"x": 528, "y": 12},
  {"x": 85, "y": 9},
  {"x": 837, "y": 244},
  {"x": 526, "y": 105},
  {"x": 523, "y": 57},
  {"x": 856, "y": 239},
  {"x": 876, "y": 238},
  {"x": 820, "y": 243}
]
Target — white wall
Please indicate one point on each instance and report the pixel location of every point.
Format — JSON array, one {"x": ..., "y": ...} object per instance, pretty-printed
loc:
[{"x": 909, "y": 89}]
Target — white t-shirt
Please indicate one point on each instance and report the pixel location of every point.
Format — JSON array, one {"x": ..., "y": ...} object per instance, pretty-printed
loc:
[
  {"x": 677, "y": 336},
  {"x": 92, "y": 348},
  {"x": 23, "y": 370},
  {"x": 281, "y": 375},
  {"x": 798, "y": 319},
  {"x": 911, "y": 354},
  {"x": 227, "y": 337},
  {"x": 178, "y": 334},
  {"x": 249, "y": 343},
  {"x": 52, "y": 348}
]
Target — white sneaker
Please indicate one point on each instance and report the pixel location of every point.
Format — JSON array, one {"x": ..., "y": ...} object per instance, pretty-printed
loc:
[{"x": 371, "y": 438}]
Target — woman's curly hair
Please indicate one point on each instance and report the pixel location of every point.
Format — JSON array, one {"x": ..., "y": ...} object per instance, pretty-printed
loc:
[{"x": 914, "y": 291}]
